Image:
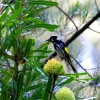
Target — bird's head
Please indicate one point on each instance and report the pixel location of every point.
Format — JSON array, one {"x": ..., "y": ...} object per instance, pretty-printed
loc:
[{"x": 53, "y": 39}]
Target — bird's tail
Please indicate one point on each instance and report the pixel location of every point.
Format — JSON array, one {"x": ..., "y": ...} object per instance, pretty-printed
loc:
[{"x": 73, "y": 68}]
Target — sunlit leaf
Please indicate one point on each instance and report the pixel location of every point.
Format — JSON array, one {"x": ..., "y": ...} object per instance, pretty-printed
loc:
[
  {"x": 47, "y": 26},
  {"x": 48, "y": 3},
  {"x": 13, "y": 16},
  {"x": 4, "y": 15}
]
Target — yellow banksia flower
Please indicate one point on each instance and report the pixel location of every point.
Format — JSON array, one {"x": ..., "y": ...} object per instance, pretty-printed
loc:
[
  {"x": 52, "y": 66},
  {"x": 65, "y": 93}
]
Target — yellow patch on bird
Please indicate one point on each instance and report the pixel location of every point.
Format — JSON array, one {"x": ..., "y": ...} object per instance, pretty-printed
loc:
[{"x": 66, "y": 49}]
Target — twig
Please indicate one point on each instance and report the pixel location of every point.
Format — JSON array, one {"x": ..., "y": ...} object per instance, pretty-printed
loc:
[
  {"x": 94, "y": 30},
  {"x": 80, "y": 65},
  {"x": 68, "y": 17}
]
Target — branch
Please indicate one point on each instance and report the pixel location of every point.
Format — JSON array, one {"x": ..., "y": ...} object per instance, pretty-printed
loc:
[
  {"x": 94, "y": 30},
  {"x": 77, "y": 33},
  {"x": 68, "y": 17}
]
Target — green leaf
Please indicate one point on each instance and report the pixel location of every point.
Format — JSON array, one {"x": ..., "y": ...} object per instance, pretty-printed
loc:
[
  {"x": 4, "y": 92},
  {"x": 40, "y": 57},
  {"x": 47, "y": 26},
  {"x": 35, "y": 12},
  {"x": 37, "y": 93},
  {"x": 33, "y": 87},
  {"x": 4, "y": 15},
  {"x": 34, "y": 51},
  {"x": 17, "y": 4},
  {"x": 43, "y": 45},
  {"x": 48, "y": 88},
  {"x": 23, "y": 44},
  {"x": 6, "y": 72},
  {"x": 14, "y": 15},
  {"x": 59, "y": 70},
  {"x": 75, "y": 74},
  {"x": 28, "y": 47},
  {"x": 9, "y": 5},
  {"x": 18, "y": 32},
  {"x": 29, "y": 89},
  {"x": 67, "y": 81},
  {"x": 5, "y": 84},
  {"x": 20, "y": 83},
  {"x": 48, "y": 3}
]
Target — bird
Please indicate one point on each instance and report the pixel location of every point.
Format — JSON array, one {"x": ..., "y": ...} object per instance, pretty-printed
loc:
[{"x": 61, "y": 50}]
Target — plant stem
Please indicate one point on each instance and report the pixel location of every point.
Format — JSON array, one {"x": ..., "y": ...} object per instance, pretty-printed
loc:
[{"x": 53, "y": 85}]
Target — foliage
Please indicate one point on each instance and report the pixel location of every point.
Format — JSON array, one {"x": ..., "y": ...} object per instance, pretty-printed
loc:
[
  {"x": 21, "y": 74},
  {"x": 18, "y": 51}
]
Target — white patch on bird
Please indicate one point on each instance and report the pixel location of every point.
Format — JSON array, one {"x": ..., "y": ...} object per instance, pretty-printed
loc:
[{"x": 58, "y": 38}]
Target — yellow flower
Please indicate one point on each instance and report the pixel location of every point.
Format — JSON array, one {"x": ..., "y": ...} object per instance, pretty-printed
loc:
[
  {"x": 54, "y": 67},
  {"x": 65, "y": 93}
]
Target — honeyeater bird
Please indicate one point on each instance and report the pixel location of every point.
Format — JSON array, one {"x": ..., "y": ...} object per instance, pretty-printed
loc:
[{"x": 62, "y": 50}]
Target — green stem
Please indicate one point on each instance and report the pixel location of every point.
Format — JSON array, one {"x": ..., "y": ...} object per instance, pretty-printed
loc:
[
  {"x": 53, "y": 85},
  {"x": 16, "y": 77},
  {"x": 48, "y": 88}
]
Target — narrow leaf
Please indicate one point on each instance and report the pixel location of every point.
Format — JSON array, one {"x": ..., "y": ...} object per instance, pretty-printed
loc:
[
  {"x": 14, "y": 15},
  {"x": 67, "y": 81},
  {"x": 48, "y": 3},
  {"x": 47, "y": 26},
  {"x": 4, "y": 15}
]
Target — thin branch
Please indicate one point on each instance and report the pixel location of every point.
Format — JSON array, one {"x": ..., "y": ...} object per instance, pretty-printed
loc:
[
  {"x": 79, "y": 32},
  {"x": 94, "y": 30},
  {"x": 68, "y": 17},
  {"x": 3, "y": 51},
  {"x": 80, "y": 65}
]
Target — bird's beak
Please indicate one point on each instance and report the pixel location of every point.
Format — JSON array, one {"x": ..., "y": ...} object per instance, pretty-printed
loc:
[{"x": 47, "y": 40}]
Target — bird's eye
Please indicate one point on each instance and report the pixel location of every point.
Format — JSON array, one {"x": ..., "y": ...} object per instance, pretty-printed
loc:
[{"x": 52, "y": 39}]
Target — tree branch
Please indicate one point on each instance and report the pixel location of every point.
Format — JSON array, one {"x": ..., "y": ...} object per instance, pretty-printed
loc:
[
  {"x": 68, "y": 17},
  {"x": 77, "y": 33}
]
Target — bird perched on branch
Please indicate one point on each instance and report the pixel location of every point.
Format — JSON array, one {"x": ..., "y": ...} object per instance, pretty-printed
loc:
[{"x": 61, "y": 50}]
